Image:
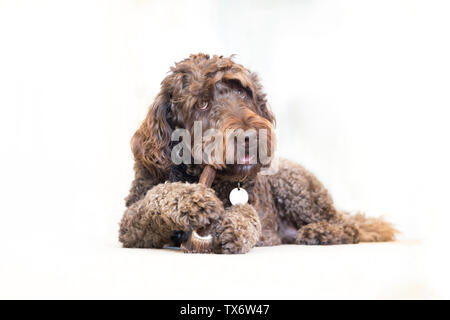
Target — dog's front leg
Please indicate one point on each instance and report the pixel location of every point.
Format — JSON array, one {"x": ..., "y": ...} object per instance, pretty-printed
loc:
[
  {"x": 238, "y": 231},
  {"x": 167, "y": 208}
]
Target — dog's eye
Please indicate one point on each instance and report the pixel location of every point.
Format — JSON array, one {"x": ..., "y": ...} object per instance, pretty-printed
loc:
[
  {"x": 241, "y": 93},
  {"x": 203, "y": 106}
]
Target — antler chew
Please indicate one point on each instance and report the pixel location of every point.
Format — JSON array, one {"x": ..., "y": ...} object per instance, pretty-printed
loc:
[
  {"x": 207, "y": 176},
  {"x": 195, "y": 242}
]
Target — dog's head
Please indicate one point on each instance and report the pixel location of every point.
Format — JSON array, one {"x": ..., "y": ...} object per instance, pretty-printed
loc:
[{"x": 225, "y": 102}]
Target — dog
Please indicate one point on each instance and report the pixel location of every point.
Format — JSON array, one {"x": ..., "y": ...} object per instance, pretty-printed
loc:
[{"x": 166, "y": 202}]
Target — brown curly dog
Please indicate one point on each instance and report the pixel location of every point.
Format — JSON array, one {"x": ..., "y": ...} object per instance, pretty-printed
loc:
[{"x": 166, "y": 201}]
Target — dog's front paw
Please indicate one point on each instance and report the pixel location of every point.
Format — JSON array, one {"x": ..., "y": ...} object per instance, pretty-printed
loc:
[
  {"x": 186, "y": 206},
  {"x": 239, "y": 230}
]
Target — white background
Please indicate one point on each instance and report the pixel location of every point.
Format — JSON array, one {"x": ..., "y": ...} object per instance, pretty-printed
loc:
[{"x": 360, "y": 90}]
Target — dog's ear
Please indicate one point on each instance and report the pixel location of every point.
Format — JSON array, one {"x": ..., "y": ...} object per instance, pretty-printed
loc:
[
  {"x": 261, "y": 101},
  {"x": 151, "y": 142}
]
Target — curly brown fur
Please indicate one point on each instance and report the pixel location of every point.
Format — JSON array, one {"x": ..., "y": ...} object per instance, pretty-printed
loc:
[
  {"x": 239, "y": 230},
  {"x": 372, "y": 229},
  {"x": 327, "y": 233},
  {"x": 165, "y": 202},
  {"x": 166, "y": 209}
]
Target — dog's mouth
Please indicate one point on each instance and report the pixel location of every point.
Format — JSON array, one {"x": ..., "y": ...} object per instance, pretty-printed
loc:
[
  {"x": 245, "y": 166},
  {"x": 236, "y": 154},
  {"x": 239, "y": 172},
  {"x": 247, "y": 160}
]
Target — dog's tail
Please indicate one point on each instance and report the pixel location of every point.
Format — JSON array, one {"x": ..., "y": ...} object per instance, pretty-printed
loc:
[{"x": 372, "y": 229}]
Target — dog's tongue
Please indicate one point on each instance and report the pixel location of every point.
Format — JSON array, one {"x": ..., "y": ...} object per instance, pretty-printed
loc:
[{"x": 247, "y": 159}]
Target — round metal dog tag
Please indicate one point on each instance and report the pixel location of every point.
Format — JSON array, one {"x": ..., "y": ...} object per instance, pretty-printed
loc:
[{"x": 238, "y": 196}]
